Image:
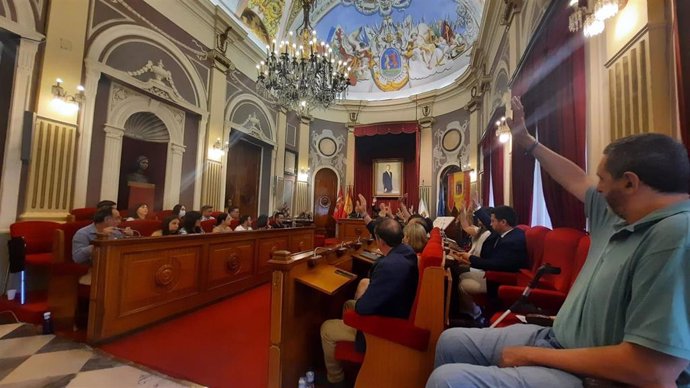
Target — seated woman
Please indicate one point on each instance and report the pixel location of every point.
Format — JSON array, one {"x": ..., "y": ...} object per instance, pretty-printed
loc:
[
  {"x": 170, "y": 226},
  {"x": 415, "y": 236},
  {"x": 223, "y": 223},
  {"x": 179, "y": 210},
  {"x": 479, "y": 231},
  {"x": 140, "y": 212},
  {"x": 262, "y": 222},
  {"x": 245, "y": 223},
  {"x": 191, "y": 223}
]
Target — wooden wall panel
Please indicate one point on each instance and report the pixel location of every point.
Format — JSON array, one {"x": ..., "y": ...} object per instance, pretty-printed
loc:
[
  {"x": 230, "y": 262},
  {"x": 51, "y": 170}
]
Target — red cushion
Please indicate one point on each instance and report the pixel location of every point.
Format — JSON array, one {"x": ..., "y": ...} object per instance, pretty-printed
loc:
[
  {"x": 39, "y": 259},
  {"x": 345, "y": 351},
  {"x": 144, "y": 227},
  {"x": 83, "y": 214},
  {"x": 508, "y": 278},
  {"x": 534, "y": 237},
  {"x": 397, "y": 330},
  {"x": 208, "y": 225},
  {"x": 234, "y": 223}
]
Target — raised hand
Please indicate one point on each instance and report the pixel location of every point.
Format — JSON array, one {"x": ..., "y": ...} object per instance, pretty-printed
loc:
[
  {"x": 517, "y": 124},
  {"x": 361, "y": 204}
]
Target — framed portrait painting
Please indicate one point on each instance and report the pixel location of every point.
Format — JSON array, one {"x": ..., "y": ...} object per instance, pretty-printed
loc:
[{"x": 388, "y": 177}]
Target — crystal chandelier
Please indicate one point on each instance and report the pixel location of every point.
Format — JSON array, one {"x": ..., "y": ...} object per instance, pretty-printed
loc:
[
  {"x": 301, "y": 74},
  {"x": 592, "y": 22}
]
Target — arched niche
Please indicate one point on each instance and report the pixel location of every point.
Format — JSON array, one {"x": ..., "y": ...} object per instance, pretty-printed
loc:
[
  {"x": 123, "y": 104},
  {"x": 97, "y": 56}
]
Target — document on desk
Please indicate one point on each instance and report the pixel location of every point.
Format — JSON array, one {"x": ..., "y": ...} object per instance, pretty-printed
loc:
[
  {"x": 326, "y": 278},
  {"x": 370, "y": 255}
]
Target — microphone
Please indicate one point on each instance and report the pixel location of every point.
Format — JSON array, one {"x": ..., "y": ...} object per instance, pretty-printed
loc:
[{"x": 135, "y": 233}]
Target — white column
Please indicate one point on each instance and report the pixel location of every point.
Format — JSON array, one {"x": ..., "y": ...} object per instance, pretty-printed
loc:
[
  {"x": 81, "y": 176},
  {"x": 12, "y": 164},
  {"x": 350, "y": 161},
  {"x": 173, "y": 178},
  {"x": 112, "y": 153}
]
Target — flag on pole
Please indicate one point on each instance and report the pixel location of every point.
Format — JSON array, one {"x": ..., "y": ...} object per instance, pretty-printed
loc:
[
  {"x": 338, "y": 212},
  {"x": 421, "y": 210},
  {"x": 441, "y": 207},
  {"x": 348, "y": 204}
]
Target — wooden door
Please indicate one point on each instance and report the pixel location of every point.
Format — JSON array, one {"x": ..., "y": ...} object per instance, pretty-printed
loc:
[
  {"x": 243, "y": 174},
  {"x": 325, "y": 195}
]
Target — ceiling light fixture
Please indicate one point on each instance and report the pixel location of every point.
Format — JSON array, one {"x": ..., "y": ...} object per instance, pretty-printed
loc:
[{"x": 300, "y": 73}]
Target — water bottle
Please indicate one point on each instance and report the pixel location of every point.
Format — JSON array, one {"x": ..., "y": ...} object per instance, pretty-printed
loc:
[
  {"x": 302, "y": 383},
  {"x": 310, "y": 379},
  {"x": 47, "y": 323}
]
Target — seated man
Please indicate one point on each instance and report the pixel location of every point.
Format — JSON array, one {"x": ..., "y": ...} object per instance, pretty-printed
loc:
[
  {"x": 105, "y": 222},
  {"x": 206, "y": 211},
  {"x": 279, "y": 221},
  {"x": 627, "y": 315},
  {"x": 508, "y": 252},
  {"x": 234, "y": 212},
  {"x": 390, "y": 293}
]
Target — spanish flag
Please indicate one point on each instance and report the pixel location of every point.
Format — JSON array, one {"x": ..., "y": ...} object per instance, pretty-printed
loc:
[
  {"x": 348, "y": 204},
  {"x": 338, "y": 212}
]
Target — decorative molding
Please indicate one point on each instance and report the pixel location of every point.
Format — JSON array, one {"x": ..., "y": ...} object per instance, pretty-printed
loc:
[
  {"x": 457, "y": 154},
  {"x": 327, "y": 149}
]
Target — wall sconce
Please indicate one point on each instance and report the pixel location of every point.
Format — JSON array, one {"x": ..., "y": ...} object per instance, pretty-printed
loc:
[
  {"x": 66, "y": 103},
  {"x": 303, "y": 175},
  {"x": 502, "y": 130},
  {"x": 218, "y": 149}
]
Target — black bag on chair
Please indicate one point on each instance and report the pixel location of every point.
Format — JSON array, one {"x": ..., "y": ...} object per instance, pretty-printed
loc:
[{"x": 17, "y": 250}]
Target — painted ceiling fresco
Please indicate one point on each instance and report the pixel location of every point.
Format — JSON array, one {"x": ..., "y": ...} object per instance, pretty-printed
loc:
[{"x": 396, "y": 48}]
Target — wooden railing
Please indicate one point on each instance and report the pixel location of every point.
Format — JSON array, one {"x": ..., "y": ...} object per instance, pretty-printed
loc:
[{"x": 139, "y": 281}]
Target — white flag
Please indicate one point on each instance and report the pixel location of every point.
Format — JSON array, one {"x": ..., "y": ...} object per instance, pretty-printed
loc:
[{"x": 422, "y": 208}]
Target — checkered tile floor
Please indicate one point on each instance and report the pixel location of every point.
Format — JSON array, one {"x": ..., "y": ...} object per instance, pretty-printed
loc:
[{"x": 28, "y": 359}]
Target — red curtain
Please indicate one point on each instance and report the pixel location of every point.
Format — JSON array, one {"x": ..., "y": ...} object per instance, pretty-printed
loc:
[
  {"x": 681, "y": 37},
  {"x": 555, "y": 104},
  {"x": 522, "y": 175},
  {"x": 387, "y": 141},
  {"x": 486, "y": 168}
]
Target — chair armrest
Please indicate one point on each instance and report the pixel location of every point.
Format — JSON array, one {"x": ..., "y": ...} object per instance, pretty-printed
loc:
[
  {"x": 507, "y": 278},
  {"x": 546, "y": 299},
  {"x": 396, "y": 330}
]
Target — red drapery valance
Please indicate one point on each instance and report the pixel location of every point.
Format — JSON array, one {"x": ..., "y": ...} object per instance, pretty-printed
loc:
[{"x": 387, "y": 129}]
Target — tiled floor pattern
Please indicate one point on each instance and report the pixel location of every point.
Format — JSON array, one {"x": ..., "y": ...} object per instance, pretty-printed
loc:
[{"x": 28, "y": 359}]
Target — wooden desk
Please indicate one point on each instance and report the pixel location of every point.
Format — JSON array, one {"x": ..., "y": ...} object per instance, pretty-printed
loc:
[
  {"x": 303, "y": 296},
  {"x": 351, "y": 229},
  {"x": 139, "y": 281}
]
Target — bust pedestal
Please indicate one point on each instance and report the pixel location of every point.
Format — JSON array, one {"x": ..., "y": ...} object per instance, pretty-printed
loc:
[{"x": 141, "y": 193}]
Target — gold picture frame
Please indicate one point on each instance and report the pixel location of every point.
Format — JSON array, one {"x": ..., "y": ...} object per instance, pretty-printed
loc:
[{"x": 388, "y": 177}]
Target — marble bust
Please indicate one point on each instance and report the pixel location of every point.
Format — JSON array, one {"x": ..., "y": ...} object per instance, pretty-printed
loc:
[{"x": 139, "y": 175}]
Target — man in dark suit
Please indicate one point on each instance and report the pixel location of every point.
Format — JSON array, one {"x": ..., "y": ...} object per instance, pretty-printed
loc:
[
  {"x": 506, "y": 251},
  {"x": 390, "y": 293},
  {"x": 387, "y": 180}
]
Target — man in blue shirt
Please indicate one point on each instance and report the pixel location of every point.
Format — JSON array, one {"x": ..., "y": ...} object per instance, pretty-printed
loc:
[
  {"x": 390, "y": 293},
  {"x": 105, "y": 222},
  {"x": 627, "y": 317}
]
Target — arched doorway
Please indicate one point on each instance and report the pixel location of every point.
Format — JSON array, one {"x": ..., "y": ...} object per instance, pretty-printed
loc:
[{"x": 325, "y": 195}]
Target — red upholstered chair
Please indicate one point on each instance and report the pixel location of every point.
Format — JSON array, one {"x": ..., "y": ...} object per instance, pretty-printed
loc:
[
  {"x": 163, "y": 214},
  {"x": 83, "y": 214},
  {"x": 38, "y": 237},
  {"x": 208, "y": 225},
  {"x": 234, "y": 223},
  {"x": 216, "y": 214},
  {"x": 400, "y": 352},
  {"x": 565, "y": 248},
  {"x": 144, "y": 227}
]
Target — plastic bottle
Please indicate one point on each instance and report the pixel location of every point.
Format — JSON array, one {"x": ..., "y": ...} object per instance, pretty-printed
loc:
[
  {"x": 47, "y": 323},
  {"x": 310, "y": 379},
  {"x": 302, "y": 383}
]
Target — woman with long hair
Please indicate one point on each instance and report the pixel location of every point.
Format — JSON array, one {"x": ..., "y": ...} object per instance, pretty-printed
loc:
[
  {"x": 169, "y": 226},
  {"x": 179, "y": 210},
  {"x": 223, "y": 223},
  {"x": 191, "y": 223},
  {"x": 139, "y": 212}
]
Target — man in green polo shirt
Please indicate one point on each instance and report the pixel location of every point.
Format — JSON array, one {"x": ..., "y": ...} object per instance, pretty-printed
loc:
[{"x": 627, "y": 317}]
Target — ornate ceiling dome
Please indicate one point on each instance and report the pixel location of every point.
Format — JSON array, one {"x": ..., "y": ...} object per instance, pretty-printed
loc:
[{"x": 396, "y": 48}]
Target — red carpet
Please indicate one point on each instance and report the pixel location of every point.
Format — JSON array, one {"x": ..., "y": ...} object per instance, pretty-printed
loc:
[{"x": 222, "y": 345}]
